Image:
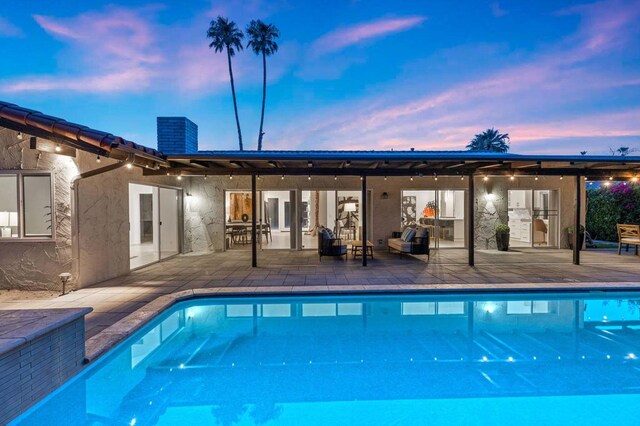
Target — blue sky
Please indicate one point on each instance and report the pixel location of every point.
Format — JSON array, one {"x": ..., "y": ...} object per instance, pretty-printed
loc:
[{"x": 559, "y": 77}]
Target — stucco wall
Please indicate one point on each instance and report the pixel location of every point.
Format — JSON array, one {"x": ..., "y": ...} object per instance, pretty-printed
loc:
[
  {"x": 28, "y": 264},
  {"x": 103, "y": 233}
]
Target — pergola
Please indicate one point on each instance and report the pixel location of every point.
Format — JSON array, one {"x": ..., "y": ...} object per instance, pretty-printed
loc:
[{"x": 402, "y": 163}]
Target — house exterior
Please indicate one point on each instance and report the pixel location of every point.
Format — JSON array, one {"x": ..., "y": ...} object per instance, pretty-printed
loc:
[{"x": 81, "y": 201}]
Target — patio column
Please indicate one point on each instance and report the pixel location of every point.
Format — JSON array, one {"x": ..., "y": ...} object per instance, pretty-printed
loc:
[
  {"x": 363, "y": 220},
  {"x": 576, "y": 231},
  {"x": 471, "y": 232},
  {"x": 254, "y": 247}
]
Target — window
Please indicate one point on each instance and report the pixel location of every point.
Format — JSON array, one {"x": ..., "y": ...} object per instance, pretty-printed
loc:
[
  {"x": 527, "y": 307},
  {"x": 26, "y": 205},
  {"x": 433, "y": 308}
]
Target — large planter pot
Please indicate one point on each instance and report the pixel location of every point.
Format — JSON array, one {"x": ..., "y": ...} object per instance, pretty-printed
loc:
[
  {"x": 580, "y": 240},
  {"x": 502, "y": 240}
]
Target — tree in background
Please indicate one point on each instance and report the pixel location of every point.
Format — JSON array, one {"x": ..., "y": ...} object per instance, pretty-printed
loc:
[
  {"x": 226, "y": 35},
  {"x": 262, "y": 40},
  {"x": 608, "y": 206},
  {"x": 491, "y": 140}
]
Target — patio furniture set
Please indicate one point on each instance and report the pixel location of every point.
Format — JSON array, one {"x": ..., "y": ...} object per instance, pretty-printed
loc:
[
  {"x": 412, "y": 240},
  {"x": 629, "y": 235}
]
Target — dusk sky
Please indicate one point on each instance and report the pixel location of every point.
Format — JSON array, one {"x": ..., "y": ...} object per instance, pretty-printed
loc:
[{"x": 559, "y": 77}]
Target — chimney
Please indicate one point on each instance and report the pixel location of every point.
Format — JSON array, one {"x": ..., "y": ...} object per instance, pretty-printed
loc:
[{"x": 177, "y": 135}]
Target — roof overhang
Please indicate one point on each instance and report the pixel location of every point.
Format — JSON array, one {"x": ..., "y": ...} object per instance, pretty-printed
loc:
[
  {"x": 77, "y": 136},
  {"x": 398, "y": 163}
]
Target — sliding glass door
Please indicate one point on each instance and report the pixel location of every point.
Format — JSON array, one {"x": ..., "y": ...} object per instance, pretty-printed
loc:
[
  {"x": 442, "y": 211},
  {"x": 154, "y": 224}
]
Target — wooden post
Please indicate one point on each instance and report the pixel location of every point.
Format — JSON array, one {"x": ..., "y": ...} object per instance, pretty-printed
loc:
[
  {"x": 471, "y": 232},
  {"x": 363, "y": 220},
  {"x": 576, "y": 231},
  {"x": 254, "y": 248}
]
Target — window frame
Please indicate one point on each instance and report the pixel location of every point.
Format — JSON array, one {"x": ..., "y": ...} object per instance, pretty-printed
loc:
[{"x": 20, "y": 174}]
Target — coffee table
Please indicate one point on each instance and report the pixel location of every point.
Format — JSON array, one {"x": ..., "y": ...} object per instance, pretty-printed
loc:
[{"x": 356, "y": 249}]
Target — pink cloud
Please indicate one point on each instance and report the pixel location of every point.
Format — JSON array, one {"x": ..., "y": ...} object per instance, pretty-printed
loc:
[
  {"x": 349, "y": 36},
  {"x": 132, "y": 80},
  {"x": 7, "y": 29}
]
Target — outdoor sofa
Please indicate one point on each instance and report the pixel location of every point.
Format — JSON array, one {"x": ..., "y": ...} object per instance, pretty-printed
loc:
[{"x": 412, "y": 240}]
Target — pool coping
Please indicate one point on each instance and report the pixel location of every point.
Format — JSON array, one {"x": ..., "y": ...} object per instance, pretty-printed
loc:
[{"x": 110, "y": 337}]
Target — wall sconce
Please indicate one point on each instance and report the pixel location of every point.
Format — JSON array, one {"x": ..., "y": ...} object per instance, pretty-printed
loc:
[{"x": 384, "y": 196}]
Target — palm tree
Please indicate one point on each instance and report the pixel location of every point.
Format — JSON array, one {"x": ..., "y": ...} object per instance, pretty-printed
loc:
[
  {"x": 262, "y": 40},
  {"x": 226, "y": 35},
  {"x": 490, "y": 141}
]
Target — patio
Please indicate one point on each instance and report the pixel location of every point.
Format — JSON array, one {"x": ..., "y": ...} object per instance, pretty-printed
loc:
[{"x": 300, "y": 271}]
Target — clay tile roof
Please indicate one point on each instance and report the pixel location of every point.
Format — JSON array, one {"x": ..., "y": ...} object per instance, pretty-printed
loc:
[{"x": 55, "y": 126}]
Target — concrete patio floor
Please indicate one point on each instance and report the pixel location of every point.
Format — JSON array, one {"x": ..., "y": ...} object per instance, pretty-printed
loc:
[{"x": 301, "y": 271}]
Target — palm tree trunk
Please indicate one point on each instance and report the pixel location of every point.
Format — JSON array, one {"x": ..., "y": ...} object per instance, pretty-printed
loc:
[
  {"x": 264, "y": 97},
  {"x": 235, "y": 103}
]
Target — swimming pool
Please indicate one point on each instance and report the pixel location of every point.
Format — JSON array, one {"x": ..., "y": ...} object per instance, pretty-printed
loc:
[{"x": 526, "y": 359}]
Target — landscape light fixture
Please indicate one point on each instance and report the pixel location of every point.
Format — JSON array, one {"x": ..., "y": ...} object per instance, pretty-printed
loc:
[
  {"x": 561, "y": 177},
  {"x": 512, "y": 177},
  {"x": 205, "y": 177},
  {"x": 536, "y": 178},
  {"x": 335, "y": 177},
  {"x": 411, "y": 178},
  {"x": 98, "y": 159},
  {"x": 230, "y": 176},
  {"x": 282, "y": 177},
  {"x": 20, "y": 135},
  {"x": 58, "y": 149},
  {"x": 179, "y": 177},
  {"x": 129, "y": 165},
  {"x": 309, "y": 177},
  {"x": 385, "y": 178}
]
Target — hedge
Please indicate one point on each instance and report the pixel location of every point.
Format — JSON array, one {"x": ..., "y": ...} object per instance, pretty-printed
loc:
[{"x": 608, "y": 206}]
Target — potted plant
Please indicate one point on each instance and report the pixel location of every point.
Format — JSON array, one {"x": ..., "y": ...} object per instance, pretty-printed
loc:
[
  {"x": 570, "y": 231},
  {"x": 502, "y": 237}
]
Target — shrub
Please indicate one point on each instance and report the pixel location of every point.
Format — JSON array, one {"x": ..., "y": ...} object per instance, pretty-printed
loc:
[
  {"x": 608, "y": 206},
  {"x": 502, "y": 229}
]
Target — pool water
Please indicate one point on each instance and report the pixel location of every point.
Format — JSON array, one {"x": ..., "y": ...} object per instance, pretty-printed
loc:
[{"x": 395, "y": 360}]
